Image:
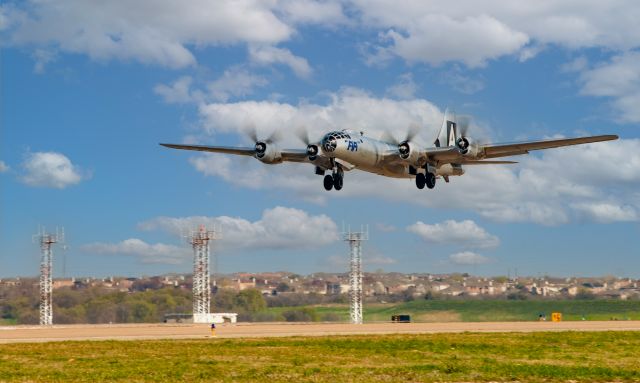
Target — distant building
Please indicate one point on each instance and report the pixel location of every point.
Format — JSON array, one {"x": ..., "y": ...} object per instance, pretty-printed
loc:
[{"x": 335, "y": 288}]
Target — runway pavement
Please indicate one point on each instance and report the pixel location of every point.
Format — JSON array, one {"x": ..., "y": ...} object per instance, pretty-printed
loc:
[{"x": 16, "y": 334}]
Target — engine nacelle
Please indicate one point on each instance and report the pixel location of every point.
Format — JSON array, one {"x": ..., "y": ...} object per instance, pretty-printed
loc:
[
  {"x": 312, "y": 151},
  {"x": 267, "y": 153},
  {"x": 450, "y": 170},
  {"x": 408, "y": 152},
  {"x": 467, "y": 147}
]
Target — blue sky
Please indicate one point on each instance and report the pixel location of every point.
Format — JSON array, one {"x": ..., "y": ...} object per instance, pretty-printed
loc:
[{"x": 88, "y": 92}]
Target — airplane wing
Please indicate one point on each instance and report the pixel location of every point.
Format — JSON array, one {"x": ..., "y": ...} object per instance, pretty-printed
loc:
[
  {"x": 479, "y": 162},
  {"x": 517, "y": 148},
  {"x": 291, "y": 155}
]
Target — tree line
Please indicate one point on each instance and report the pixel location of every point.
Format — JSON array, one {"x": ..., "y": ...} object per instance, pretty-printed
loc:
[{"x": 147, "y": 304}]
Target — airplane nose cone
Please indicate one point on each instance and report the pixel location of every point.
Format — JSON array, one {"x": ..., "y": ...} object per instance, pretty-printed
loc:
[{"x": 329, "y": 143}]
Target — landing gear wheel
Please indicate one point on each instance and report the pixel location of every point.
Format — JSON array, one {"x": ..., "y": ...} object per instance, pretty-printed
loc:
[
  {"x": 338, "y": 181},
  {"x": 431, "y": 180},
  {"x": 328, "y": 182},
  {"x": 420, "y": 180}
]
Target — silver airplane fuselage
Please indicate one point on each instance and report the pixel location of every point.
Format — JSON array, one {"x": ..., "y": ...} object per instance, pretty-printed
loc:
[
  {"x": 364, "y": 153},
  {"x": 368, "y": 154}
]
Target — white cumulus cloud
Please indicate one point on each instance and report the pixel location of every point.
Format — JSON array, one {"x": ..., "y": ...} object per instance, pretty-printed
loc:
[
  {"x": 323, "y": 12},
  {"x": 157, "y": 32},
  {"x": 608, "y": 212},
  {"x": 462, "y": 233},
  {"x": 50, "y": 169},
  {"x": 234, "y": 82},
  {"x": 437, "y": 38},
  {"x": 468, "y": 258},
  {"x": 437, "y": 31},
  {"x": 163, "y": 32},
  {"x": 147, "y": 253},
  {"x": 349, "y": 108},
  {"x": 405, "y": 89},
  {"x": 267, "y": 55},
  {"x": 278, "y": 228},
  {"x": 618, "y": 80},
  {"x": 179, "y": 92},
  {"x": 473, "y": 32},
  {"x": 4, "y": 167}
]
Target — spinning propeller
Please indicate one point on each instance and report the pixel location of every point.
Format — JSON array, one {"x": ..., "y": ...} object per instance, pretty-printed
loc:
[
  {"x": 404, "y": 148},
  {"x": 261, "y": 145},
  {"x": 312, "y": 148}
]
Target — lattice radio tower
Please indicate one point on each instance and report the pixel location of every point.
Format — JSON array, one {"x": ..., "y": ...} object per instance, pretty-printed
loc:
[
  {"x": 355, "y": 275},
  {"x": 199, "y": 240},
  {"x": 46, "y": 262}
]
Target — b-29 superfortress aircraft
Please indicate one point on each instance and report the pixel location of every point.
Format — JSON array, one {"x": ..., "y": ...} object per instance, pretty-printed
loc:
[{"x": 346, "y": 150}]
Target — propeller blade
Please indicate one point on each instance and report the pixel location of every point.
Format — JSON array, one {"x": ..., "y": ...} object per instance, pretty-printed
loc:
[
  {"x": 413, "y": 131},
  {"x": 463, "y": 125},
  {"x": 303, "y": 134},
  {"x": 251, "y": 132},
  {"x": 388, "y": 137},
  {"x": 274, "y": 137}
]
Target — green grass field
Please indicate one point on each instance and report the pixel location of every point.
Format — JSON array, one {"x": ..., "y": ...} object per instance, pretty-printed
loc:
[
  {"x": 487, "y": 310},
  {"x": 7, "y": 322},
  {"x": 469, "y": 357}
]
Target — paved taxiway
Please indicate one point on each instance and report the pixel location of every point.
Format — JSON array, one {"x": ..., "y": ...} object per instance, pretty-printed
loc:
[{"x": 15, "y": 334}]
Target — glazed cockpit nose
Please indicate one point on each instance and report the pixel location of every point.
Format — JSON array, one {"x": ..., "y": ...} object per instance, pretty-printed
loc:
[{"x": 329, "y": 143}]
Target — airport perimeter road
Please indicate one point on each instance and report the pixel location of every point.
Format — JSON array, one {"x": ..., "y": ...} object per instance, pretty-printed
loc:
[{"x": 15, "y": 334}]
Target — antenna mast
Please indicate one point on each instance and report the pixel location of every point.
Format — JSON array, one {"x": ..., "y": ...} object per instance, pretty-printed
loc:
[
  {"x": 46, "y": 262},
  {"x": 355, "y": 276},
  {"x": 201, "y": 290}
]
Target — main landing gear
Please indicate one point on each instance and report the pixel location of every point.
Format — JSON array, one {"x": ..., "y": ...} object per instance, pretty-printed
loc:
[
  {"x": 334, "y": 180},
  {"x": 428, "y": 180}
]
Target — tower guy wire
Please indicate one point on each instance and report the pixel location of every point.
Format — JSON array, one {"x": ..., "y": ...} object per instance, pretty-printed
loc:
[
  {"x": 355, "y": 274},
  {"x": 201, "y": 290},
  {"x": 47, "y": 240}
]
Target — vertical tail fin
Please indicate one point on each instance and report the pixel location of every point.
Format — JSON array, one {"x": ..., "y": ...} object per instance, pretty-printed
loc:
[{"x": 448, "y": 131}]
